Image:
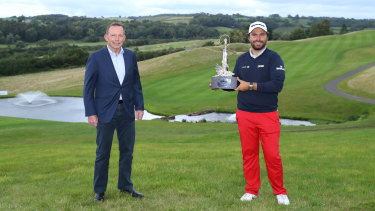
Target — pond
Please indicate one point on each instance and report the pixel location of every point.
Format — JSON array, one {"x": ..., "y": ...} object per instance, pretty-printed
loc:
[
  {"x": 231, "y": 118},
  {"x": 37, "y": 105}
]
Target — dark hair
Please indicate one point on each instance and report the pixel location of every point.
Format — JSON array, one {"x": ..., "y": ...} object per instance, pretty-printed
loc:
[{"x": 114, "y": 24}]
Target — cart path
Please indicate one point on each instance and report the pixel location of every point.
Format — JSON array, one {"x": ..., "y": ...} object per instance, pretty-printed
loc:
[{"x": 332, "y": 85}]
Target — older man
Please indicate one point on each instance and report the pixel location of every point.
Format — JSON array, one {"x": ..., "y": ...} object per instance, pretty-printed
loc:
[{"x": 112, "y": 91}]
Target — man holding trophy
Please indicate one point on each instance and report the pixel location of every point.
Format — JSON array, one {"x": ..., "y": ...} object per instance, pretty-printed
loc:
[{"x": 260, "y": 74}]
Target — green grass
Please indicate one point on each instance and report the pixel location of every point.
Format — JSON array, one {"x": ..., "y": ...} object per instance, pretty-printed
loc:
[
  {"x": 180, "y": 44},
  {"x": 181, "y": 166},
  {"x": 119, "y": 19},
  {"x": 179, "y": 83},
  {"x": 160, "y": 46},
  {"x": 223, "y": 30},
  {"x": 168, "y": 19}
]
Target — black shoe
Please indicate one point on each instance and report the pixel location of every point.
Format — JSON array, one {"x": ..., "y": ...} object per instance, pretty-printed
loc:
[
  {"x": 134, "y": 193},
  {"x": 99, "y": 197}
]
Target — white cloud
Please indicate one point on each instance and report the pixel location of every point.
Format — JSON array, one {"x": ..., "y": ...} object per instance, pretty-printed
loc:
[{"x": 114, "y": 8}]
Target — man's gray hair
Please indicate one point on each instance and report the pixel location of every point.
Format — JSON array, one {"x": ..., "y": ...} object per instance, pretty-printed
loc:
[{"x": 115, "y": 24}]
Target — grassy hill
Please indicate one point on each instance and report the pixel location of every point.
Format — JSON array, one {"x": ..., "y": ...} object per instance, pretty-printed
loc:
[
  {"x": 172, "y": 18},
  {"x": 178, "y": 83},
  {"x": 182, "y": 166}
]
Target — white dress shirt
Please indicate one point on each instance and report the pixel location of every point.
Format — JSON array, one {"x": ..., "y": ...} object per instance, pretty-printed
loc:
[{"x": 119, "y": 64}]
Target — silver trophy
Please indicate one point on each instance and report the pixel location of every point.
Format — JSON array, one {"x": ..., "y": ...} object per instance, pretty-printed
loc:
[{"x": 224, "y": 78}]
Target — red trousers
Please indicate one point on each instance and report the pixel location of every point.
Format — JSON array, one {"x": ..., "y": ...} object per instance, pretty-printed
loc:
[{"x": 266, "y": 128}]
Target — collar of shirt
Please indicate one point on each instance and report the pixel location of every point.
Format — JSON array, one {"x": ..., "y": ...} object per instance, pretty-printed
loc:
[
  {"x": 113, "y": 53},
  {"x": 253, "y": 56}
]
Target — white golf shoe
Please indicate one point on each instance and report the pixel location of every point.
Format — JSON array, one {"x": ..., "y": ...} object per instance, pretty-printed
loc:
[
  {"x": 248, "y": 197},
  {"x": 282, "y": 199}
]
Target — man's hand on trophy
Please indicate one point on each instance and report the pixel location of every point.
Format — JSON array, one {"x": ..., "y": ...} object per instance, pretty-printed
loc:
[
  {"x": 244, "y": 85},
  {"x": 213, "y": 88}
]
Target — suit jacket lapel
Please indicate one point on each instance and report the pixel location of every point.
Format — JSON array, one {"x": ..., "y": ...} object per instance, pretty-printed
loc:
[
  {"x": 128, "y": 65},
  {"x": 111, "y": 68}
]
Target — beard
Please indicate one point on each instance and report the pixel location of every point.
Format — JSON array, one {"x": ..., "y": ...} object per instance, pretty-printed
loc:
[{"x": 257, "y": 48}]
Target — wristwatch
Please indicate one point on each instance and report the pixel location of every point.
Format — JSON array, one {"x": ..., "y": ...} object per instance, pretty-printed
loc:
[{"x": 251, "y": 86}]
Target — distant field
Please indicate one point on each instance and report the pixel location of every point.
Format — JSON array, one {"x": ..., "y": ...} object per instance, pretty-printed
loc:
[
  {"x": 162, "y": 18},
  {"x": 70, "y": 42},
  {"x": 223, "y": 30},
  {"x": 103, "y": 43},
  {"x": 362, "y": 84},
  {"x": 160, "y": 46},
  {"x": 168, "y": 19},
  {"x": 119, "y": 19},
  {"x": 181, "y": 44},
  {"x": 176, "y": 20}
]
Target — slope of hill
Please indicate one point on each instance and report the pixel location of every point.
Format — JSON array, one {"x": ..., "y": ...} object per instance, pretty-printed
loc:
[{"x": 179, "y": 83}]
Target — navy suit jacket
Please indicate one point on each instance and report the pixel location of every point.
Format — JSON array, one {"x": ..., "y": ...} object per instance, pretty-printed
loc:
[{"x": 102, "y": 88}]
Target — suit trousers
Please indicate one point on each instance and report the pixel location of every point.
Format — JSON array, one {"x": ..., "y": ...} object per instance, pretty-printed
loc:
[
  {"x": 126, "y": 138},
  {"x": 266, "y": 128}
]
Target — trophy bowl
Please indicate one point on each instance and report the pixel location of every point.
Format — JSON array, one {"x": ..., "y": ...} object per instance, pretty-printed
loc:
[{"x": 224, "y": 82}]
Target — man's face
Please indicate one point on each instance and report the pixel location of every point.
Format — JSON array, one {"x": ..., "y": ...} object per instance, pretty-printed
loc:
[
  {"x": 115, "y": 38},
  {"x": 258, "y": 39}
]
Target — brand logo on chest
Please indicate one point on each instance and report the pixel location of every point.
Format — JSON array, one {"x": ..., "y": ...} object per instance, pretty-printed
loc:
[{"x": 259, "y": 67}]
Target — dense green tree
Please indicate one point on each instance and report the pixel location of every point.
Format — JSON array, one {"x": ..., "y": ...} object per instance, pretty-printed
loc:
[
  {"x": 344, "y": 29},
  {"x": 2, "y": 38},
  {"x": 213, "y": 20},
  {"x": 10, "y": 39},
  {"x": 92, "y": 36},
  {"x": 208, "y": 43},
  {"x": 41, "y": 59},
  {"x": 20, "y": 44},
  {"x": 21, "y": 18},
  {"x": 320, "y": 29},
  {"x": 238, "y": 36},
  {"x": 43, "y": 43},
  {"x": 297, "y": 33},
  {"x": 62, "y": 27},
  {"x": 31, "y": 35}
]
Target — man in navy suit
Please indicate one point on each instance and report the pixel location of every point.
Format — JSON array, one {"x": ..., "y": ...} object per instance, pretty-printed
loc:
[{"x": 112, "y": 93}]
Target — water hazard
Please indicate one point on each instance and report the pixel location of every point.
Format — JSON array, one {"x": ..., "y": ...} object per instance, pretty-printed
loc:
[{"x": 37, "y": 105}]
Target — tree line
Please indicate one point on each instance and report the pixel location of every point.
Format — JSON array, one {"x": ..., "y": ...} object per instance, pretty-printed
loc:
[
  {"x": 317, "y": 29},
  {"x": 60, "y": 27},
  {"x": 18, "y": 32},
  {"x": 201, "y": 26},
  {"x": 18, "y": 61},
  {"x": 47, "y": 56}
]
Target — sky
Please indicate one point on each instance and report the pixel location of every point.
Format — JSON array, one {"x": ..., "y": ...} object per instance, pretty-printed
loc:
[{"x": 361, "y": 9}]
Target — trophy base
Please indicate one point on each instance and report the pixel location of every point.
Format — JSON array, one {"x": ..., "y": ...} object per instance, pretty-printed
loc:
[{"x": 224, "y": 82}]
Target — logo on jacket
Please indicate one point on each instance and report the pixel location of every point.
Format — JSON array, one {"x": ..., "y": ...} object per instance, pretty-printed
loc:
[{"x": 280, "y": 68}]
